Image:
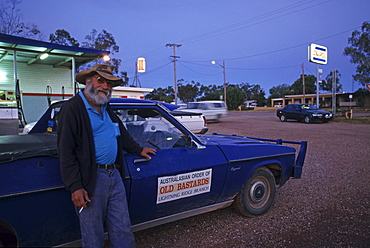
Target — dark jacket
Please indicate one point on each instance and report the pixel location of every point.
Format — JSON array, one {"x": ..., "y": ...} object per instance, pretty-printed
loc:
[{"x": 76, "y": 145}]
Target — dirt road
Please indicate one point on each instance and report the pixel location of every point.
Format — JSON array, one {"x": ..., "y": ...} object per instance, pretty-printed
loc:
[{"x": 328, "y": 207}]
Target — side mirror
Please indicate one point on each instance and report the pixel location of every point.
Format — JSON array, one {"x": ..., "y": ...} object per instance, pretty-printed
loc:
[{"x": 196, "y": 144}]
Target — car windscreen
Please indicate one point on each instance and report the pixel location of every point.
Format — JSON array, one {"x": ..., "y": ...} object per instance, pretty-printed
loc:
[{"x": 309, "y": 107}]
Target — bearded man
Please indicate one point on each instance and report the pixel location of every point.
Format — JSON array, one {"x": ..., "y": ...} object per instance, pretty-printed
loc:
[{"x": 90, "y": 142}]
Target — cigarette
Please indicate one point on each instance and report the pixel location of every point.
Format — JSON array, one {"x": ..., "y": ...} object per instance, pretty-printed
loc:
[{"x": 82, "y": 208}]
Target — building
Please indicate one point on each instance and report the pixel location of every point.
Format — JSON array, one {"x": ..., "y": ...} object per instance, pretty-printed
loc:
[
  {"x": 343, "y": 100},
  {"x": 29, "y": 81},
  {"x": 34, "y": 73},
  {"x": 130, "y": 92}
]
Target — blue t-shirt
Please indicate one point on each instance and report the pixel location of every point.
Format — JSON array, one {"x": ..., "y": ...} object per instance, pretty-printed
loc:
[{"x": 105, "y": 133}]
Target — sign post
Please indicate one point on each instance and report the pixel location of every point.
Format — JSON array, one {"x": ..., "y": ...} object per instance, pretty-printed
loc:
[{"x": 319, "y": 55}]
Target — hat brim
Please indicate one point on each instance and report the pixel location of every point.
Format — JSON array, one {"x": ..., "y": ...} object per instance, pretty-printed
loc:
[{"x": 81, "y": 76}]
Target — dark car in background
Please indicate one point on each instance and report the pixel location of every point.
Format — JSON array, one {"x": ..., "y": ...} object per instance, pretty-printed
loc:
[{"x": 303, "y": 112}]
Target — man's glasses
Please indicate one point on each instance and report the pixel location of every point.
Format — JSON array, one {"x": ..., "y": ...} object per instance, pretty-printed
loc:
[{"x": 102, "y": 80}]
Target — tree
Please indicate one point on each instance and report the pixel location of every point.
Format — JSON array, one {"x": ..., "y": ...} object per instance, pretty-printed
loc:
[
  {"x": 161, "y": 94},
  {"x": 280, "y": 91},
  {"x": 327, "y": 85},
  {"x": 235, "y": 97},
  {"x": 11, "y": 22},
  {"x": 187, "y": 93},
  {"x": 210, "y": 92},
  {"x": 106, "y": 42},
  {"x": 310, "y": 85},
  {"x": 359, "y": 50},
  {"x": 363, "y": 97},
  {"x": 63, "y": 37},
  {"x": 258, "y": 94},
  {"x": 253, "y": 92}
]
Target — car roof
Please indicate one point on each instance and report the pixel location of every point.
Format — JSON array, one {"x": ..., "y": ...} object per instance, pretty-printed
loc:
[
  {"x": 212, "y": 101},
  {"x": 133, "y": 100},
  {"x": 129, "y": 100}
]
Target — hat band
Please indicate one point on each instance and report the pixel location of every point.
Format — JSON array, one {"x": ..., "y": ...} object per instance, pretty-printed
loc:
[{"x": 108, "y": 72}]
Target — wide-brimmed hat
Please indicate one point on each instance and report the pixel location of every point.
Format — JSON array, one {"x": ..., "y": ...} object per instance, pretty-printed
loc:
[{"x": 103, "y": 70}]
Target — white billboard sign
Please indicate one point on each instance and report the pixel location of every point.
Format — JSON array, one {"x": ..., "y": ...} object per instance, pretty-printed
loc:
[
  {"x": 141, "y": 65},
  {"x": 318, "y": 54}
]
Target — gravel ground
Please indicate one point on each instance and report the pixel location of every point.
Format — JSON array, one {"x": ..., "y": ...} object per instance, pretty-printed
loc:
[{"x": 328, "y": 207}]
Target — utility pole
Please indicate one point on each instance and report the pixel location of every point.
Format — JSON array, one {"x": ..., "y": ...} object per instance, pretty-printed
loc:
[
  {"x": 136, "y": 78},
  {"x": 304, "y": 86},
  {"x": 173, "y": 45},
  {"x": 334, "y": 89},
  {"x": 224, "y": 72}
]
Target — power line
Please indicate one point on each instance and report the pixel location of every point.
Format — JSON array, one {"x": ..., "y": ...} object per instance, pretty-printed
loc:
[
  {"x": 284, "y": 49},
  {"x": 249, "y": 22},
  {"x": 240, "y": 25}
]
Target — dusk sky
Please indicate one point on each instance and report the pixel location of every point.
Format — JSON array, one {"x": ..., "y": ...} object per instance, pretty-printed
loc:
[{"x": 262, "y": 42}]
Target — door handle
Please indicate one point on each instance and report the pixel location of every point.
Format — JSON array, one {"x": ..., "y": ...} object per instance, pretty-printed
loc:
[{"x": 141, "y": 160}]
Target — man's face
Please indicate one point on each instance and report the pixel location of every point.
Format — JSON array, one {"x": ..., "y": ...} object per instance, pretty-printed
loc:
[{"x": 98, "y": 89}]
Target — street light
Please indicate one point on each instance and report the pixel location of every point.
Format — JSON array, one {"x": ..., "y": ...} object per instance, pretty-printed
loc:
[{"x": 224, "y": 72}]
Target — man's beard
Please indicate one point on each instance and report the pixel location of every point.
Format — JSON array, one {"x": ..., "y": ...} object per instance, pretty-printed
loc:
[{"x": 95, "y": 96}]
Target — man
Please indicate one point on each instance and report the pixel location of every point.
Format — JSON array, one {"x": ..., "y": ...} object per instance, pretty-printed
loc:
[{"x": 90, "y": 142}]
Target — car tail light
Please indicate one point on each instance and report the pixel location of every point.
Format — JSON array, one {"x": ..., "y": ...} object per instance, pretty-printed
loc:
[{"x": 205, "y": 121}]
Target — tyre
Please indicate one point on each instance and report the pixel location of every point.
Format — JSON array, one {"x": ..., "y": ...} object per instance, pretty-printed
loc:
[
  {"x": 282, "y": 118},
  {"x": 307, "y": 119},
  {"x": 257, "y": 194}
]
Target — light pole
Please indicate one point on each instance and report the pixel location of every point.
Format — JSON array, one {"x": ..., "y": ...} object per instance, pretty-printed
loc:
[{"x": 224, "y": 72}]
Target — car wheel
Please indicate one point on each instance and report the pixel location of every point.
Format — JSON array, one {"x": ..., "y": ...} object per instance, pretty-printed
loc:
[
  {"x": 307, "y": 119},
  {"x": 257, "y": 194},
  {"x": 282, "y": 118}
]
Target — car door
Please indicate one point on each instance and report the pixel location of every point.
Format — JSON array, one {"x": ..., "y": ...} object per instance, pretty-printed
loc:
[
  {"x": 180, "y": 177},
  {"x": 297, "y": 112},
  {"x": 289, "y": 111}
]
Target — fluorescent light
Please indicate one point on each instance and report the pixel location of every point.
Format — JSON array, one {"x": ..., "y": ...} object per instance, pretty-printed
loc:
[{"x": 44, "y": 56}]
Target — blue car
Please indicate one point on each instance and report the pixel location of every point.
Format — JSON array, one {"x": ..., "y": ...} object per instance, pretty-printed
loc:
[
  {"x": 189, "y": 175},
  {"x": 306, "y": 113}
]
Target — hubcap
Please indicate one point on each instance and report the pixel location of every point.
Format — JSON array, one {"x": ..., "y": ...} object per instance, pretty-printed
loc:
[{"x": 258, "y": 191}]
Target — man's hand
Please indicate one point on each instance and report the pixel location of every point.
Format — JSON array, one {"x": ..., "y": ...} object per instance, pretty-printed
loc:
[
  {"x": 145, "y": 152},
  {"x": 80, "y": 197}
]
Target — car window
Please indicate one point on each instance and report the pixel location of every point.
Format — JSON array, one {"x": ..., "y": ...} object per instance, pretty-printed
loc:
[
  {"x": 192, "y": 105},
  {"x": 217, "y": 105},
  {"x": 289, "y": 107},
  {"x": 53, "y": 120},
  {"x": 202, "y": 106},
  {"x": 150, "y": 129}
]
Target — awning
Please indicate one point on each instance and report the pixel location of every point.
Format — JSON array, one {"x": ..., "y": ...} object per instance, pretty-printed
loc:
[{"x": 29, "y": 51}]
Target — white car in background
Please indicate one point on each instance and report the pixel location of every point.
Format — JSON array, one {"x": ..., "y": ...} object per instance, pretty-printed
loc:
[{"x": 212, "y": 110}]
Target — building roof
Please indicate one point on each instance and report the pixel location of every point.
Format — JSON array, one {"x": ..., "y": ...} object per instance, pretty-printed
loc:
[{"x": 29, "y": 51}]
